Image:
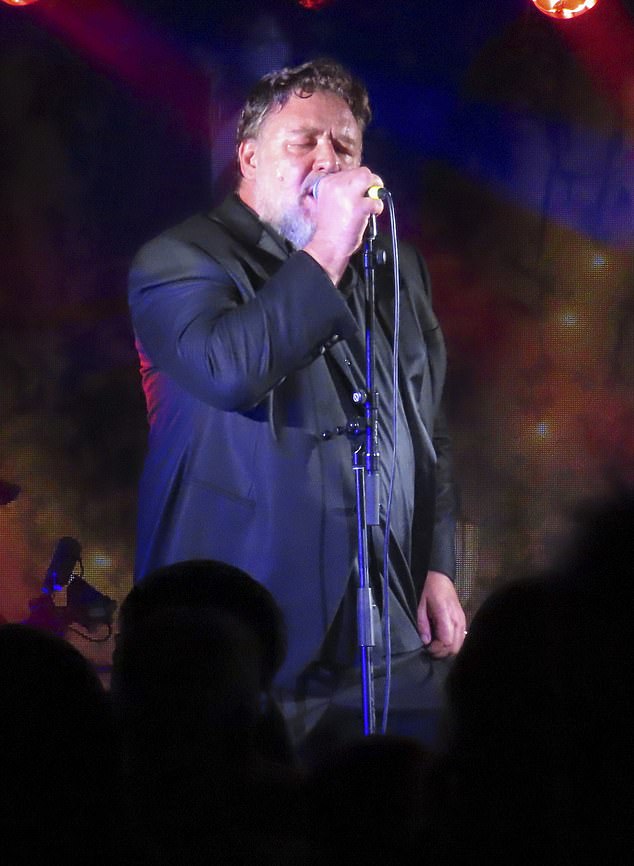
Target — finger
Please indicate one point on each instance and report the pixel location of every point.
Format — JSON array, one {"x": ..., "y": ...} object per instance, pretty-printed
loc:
[
  {"x": 449, "y": 634},
  {"x": 424, "y": 626},
  {"x": 376, "y": 184},
  {"x": 374, "y": 187},
  {"x": 368, "y": 184},
  {"x": 455, "y": 622},
  {"x": 437, "y": 650},
  {"x": 460, "y": 635},
  {"x": 444, "y": 627}
]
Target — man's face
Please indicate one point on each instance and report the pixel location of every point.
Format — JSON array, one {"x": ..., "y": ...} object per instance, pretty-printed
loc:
[{"x": 307, "y": 136}]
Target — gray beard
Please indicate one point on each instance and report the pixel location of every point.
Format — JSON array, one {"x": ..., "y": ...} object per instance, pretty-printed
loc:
[
  {"x": 293, "y": 225},
  {"x": 296, "y": 228}
]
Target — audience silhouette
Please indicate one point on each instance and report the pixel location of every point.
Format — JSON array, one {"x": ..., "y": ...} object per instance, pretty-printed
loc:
[
  {"x": 188, "y": 759},
  {"x": 58, "y": 753},
  {"x": 537, "y": 764},
  {"x": 208, "y": 765}
]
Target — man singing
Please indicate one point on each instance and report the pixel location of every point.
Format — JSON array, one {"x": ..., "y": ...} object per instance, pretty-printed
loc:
[{"x": 250, "y": 330}]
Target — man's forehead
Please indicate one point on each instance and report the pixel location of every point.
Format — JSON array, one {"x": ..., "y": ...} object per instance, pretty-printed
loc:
[{"x": 315, "y": 112}]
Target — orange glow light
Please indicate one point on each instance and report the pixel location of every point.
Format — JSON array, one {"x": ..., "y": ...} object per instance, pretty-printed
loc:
[
  {"x": 564, "y": 8},
  {"x": 19, "y": 2}
]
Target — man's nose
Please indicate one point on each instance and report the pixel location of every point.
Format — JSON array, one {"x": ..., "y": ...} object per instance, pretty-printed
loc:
[{"x": 326, "y": 158}]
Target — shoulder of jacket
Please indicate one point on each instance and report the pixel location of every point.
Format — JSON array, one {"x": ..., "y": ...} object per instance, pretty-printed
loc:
[{"x": 197, "y": 230}]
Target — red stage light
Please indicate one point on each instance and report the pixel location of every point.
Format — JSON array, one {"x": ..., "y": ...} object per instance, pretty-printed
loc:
[
  {"x": 564, "y": 8},
  {"x": 19, "y": 2},
  {"x": 313, "y": 4}
]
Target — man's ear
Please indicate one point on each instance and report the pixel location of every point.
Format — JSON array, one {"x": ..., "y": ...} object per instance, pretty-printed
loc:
[{"x": 247, "y": 158}]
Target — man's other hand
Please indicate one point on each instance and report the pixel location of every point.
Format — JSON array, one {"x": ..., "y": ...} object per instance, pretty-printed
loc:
[{"x": 441, "y": 619}]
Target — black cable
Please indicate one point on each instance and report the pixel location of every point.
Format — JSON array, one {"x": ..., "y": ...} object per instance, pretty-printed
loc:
[
  {"x": 387, "y": 635},
  {"x": 91, "y": 639}
]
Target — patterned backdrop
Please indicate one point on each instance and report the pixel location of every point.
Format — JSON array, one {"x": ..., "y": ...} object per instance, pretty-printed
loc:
[{"x": 507, "y": 140}]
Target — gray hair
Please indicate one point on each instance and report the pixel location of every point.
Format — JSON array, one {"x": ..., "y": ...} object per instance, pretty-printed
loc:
[{"x": 276, "y": 88}]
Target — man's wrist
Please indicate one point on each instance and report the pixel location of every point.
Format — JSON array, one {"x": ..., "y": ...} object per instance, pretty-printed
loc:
[{"x": 328, "y": 259}]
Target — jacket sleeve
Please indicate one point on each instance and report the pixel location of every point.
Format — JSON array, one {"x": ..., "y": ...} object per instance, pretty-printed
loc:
[
  {"x": 217, "y": 337},
  {"x": 435, "y": 531},
  {"x": 442, "y": 556}
]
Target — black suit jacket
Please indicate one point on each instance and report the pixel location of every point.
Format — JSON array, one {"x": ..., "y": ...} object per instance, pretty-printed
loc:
[{"x": 232, "y": 332}]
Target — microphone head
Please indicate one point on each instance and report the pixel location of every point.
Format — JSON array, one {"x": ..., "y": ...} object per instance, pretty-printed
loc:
[
  {"x": 313, "y": 186},
  {"x": 65, "y": 556},
  {"x": 375, "y": 192}
]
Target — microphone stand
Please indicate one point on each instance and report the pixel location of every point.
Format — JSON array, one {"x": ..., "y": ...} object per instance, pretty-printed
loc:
[
  {"x": 366, "y": 469},
  {"x": 365, "y": 464}
]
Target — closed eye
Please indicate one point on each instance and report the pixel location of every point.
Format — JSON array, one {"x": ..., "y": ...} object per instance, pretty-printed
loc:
[{"x": 306, "y": 143}]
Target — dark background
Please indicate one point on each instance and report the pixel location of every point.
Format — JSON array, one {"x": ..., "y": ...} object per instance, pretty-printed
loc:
[{"x": 507, "y": 139}]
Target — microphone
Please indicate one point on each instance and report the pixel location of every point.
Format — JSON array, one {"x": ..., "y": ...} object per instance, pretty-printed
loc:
[
  {"x": 376, "y": 192},
  {"x": 85, "y": 605},
  {"x": 65, "y": 556}
]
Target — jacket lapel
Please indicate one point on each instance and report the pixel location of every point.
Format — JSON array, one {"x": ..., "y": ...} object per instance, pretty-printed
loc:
[{"x": 260, "y": 251}]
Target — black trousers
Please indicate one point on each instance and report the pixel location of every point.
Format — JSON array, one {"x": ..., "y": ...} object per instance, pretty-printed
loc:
[{"x": 327, "y": 709}]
